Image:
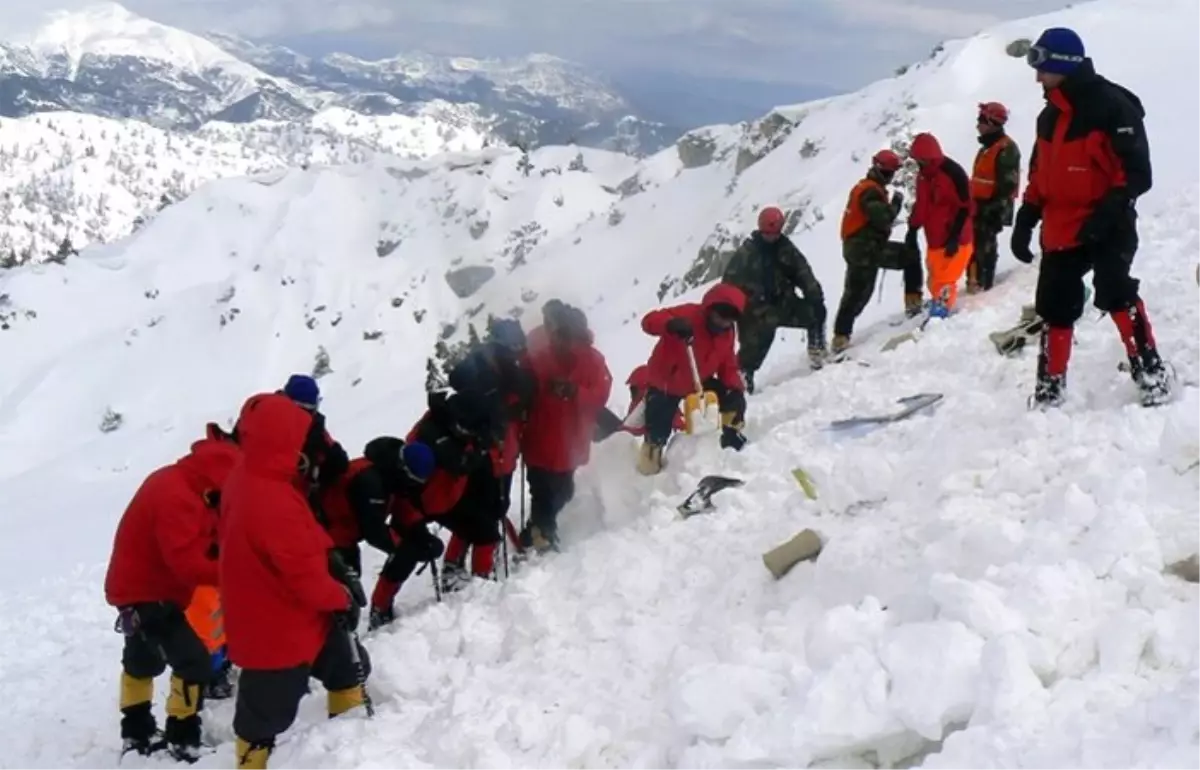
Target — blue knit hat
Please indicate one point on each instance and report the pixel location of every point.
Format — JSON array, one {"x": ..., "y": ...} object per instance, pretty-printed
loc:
[
  {"x": 1058, "y": 51},
  {"x": 418, "y": 460},
  {"x": 303, "y": 390}
]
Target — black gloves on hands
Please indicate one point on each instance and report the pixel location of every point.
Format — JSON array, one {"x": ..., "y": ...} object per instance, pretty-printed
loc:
[
  {"x": 1022, "y": 235},
  {"x": 423, "y": 544},
  {"x": 681, "y": 328},
  {"x": 349, "y": 617}
]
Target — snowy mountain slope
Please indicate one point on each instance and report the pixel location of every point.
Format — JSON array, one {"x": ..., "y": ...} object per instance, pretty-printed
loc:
[
  {"x": 1024, "y": 550},
  {"x": 104, "y": 60},
  {"x": 89, "y": 179}
]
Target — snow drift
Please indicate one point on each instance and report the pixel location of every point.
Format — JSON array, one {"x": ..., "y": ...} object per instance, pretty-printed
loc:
[{"x": 992, "y": 592}]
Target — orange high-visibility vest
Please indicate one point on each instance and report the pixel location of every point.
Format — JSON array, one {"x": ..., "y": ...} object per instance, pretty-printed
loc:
[
  {"x": 854, "y": 218},
  {"x": 207, "y": 618},
  {"x": 983, "y": 176}
]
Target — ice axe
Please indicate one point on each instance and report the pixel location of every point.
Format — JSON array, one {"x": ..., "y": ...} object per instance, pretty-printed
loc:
[{"x": 702, "y": 413}]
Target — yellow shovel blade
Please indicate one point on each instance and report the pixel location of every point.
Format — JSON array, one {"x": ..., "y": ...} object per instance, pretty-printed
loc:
[{"x": 702, "y": 414}]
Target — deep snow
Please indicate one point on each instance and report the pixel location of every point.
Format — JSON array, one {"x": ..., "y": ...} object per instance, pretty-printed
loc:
[{"x": 991, "y": 573}]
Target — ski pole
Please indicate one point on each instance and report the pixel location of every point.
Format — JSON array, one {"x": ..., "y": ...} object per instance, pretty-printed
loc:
[
  {"x": 522, "y": 494},
  {"x": 360, "y": 672}
]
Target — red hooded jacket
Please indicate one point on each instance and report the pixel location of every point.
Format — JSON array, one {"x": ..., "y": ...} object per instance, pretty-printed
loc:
[
  {"x": 163, "y": 546},
  {"x": 943, "y": 200},
  {"x": 670, "y": 371},
  {"x": 558, "y": 433},
  {"x": 278, "y": 594}
]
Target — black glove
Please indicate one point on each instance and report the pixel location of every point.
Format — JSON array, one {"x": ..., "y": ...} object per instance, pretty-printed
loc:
[
  {"x": 421, "y": 543},
  {"x": 681, "y": 328},
  {"x": 563, "y": 388},
  {"x": 951, "y": 247},
  {"x": 349, "y": 617},
  {"x": 897, "y": 202},
  {"x": 346, "y": 575},
  {"x": 1022, "y": 235},
  {"x": 1106, "y": 217},
  {"x": 732, "y": 438}
]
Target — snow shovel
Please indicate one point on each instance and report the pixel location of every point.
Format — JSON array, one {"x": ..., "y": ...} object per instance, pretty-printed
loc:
[
  {"x": 805, "y": 546},
  {"x": 701, "y": 412}
]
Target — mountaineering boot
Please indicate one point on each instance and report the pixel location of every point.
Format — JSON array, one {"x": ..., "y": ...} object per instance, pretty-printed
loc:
[
  {"x": 220, "y": 687},
  {"x": 650, "y": 459},
  {"x": 974, "y": 285},
  {"x": 183, "y": 720},
  {"x": 912, "y": 305},
  {"x": 454, "y": 577},
  {"x": 540, "y": 539},
  {"x": 341, "y": 701},
  {"x": 839, "y": 344},
  {"x": 817, "y": 351},
  {"x": 1053, "y": 357},
  {"x": 731, "y": 432},
  {"x": 252, "y": 756},
  {"x": 380, "y": 617},
  {"x": 139, "y": 731},
  {"x": 1153, "y": 378},
  {"x": 748, "y": 378}
]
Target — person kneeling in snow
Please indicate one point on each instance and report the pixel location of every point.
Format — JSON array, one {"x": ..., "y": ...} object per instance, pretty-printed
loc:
[
  {"x": 286, "y": 617},
  {"x": 707, "y": 329},
  {"x": 164, "y": 549},
  {"x": 572, "y": 386}
]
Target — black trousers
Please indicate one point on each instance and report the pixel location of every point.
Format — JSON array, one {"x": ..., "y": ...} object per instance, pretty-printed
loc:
[
  {"x": 268, "y": 700},
  {"x": 549, "y": 493},
  {"x": 165, "y": 638},
  {"x": 661, "y": 409},
  {"x": 1060, "y": 288}
]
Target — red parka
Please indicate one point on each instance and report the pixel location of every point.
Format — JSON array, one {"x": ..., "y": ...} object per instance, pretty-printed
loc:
[
  {"x": 669, "y": 370},
  {"x": 278, "y": 594},
  {"x": 165, "y": 541},
  {"x": 943, "y": 200},
  {"x": 558, "y": 432}
]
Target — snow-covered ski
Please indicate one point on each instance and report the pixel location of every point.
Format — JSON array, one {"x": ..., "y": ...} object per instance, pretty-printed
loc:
[
  {"x": 700, "y": 501},
  {"x": 911, "y": 405}
]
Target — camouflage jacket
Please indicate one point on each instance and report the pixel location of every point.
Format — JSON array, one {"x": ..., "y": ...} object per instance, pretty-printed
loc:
[
  {"x": 997, "y": 212},
  {"x": 768, "y": 273},
  {"x": 862, "y": 247}
]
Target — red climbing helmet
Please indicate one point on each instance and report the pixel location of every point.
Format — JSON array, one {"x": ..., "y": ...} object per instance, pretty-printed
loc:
[
  {"x": 993, "y": 112},
  {"x": 770, "y": 220},
  {"x": 887, "y": 161}
]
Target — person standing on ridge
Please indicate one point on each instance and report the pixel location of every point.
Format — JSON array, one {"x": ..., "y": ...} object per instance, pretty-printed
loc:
[
  {"x": 1089, "y": 166},
  {"x": 573, "y": 385},
  {"x": 943, "y": 210},
  {"x": 768, "y": 269},
  {"x": 995, "y": 180},
  {"x": 164, "y": 549},
  {"x": 866, "y": 246}
]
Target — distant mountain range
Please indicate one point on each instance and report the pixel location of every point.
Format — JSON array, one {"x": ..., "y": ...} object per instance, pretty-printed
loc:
[{"x": 106, "y": 61}]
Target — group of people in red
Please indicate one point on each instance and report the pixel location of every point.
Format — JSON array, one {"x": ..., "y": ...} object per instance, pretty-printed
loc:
[{"x": 272, "y": 514}]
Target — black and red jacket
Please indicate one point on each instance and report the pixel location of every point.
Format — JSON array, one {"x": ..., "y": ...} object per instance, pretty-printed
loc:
[{"x": 1091, "y": 153}]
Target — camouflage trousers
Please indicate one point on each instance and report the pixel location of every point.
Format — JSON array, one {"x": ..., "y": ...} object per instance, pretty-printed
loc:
[
  {"x": 757, "y": 327},
  {"x": 981, "y": 272},
  {"x": 862, "y": 270}
]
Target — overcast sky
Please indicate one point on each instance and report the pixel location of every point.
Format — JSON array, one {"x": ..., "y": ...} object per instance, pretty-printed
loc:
[{"x": 839, "y": 44}]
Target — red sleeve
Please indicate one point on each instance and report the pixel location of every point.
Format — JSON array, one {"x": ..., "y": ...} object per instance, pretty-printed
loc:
[
  {"x": 916, "y": 219},
  {"x": 596, "y": 386},
  {"x": 655, "y": 322},
  {"x": 301, "y": 560},
  {"x": 1033, "y": 195},
  {"x": 185, "y": 537}
]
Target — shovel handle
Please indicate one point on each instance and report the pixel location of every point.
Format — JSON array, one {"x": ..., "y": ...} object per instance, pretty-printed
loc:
[{"x": 691, "y": 353}]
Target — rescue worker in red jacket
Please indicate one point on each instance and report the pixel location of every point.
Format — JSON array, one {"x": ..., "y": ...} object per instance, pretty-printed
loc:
[
  {"x": 1090, "y": 164},
  {"x": 165, "y": 548},
  {"x": 943, "y": 209},
  {"x": 358, "y": 506},
  {"x": 708, "y": 328},
  {"x": 572, "y": 386},
  {"x": 286, "y": 617}
]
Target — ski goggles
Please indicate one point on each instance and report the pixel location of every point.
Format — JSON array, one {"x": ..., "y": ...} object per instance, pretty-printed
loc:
[{"x": 1037, "y": 56}]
